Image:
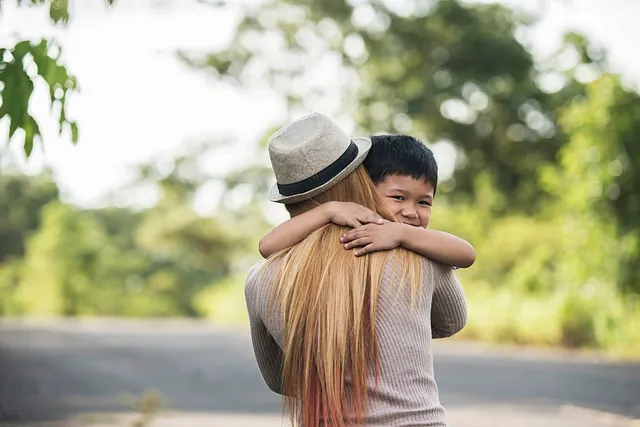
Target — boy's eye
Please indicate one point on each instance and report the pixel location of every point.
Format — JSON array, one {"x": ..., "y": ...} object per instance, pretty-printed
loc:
[
  {"x": 425, "y": 203},
  {"x": 397, "y": 197}
]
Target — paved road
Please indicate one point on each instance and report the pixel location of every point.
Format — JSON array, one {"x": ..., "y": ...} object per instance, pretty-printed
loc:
[{"x": 54, "y": 371}]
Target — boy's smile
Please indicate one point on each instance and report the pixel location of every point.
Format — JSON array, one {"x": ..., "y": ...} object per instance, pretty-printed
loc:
[{"x": 408, "y": 198}]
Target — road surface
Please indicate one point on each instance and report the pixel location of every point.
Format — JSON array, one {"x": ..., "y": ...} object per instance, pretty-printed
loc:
[{"x": 71, "y": 373}]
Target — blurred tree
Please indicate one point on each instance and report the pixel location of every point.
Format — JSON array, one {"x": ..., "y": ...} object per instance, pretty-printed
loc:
[
  {"x": 73, "y": 267},
  {"x": 120, "y": 224},
  {"x": 61, "y": 265},
  {"x": 188, "y": 251},
  {"x": 597, "y": 178},
  {"x": 22, "y": 198},
  {"x": 10, "y": 274},
  {"x": 118, "y": 261},
  {"x": 21, "y": 64},
  {"x": 441, "y": 70}
]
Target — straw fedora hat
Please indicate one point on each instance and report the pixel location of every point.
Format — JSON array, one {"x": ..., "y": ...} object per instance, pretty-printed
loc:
[{"x": 310, "y": 155}]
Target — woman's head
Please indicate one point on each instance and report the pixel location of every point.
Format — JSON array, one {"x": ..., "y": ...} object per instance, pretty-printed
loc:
[
  {"x": 356, "y": 187},
  {"x": 310, "y": 155},
  {"x": 328, "y": 299}
]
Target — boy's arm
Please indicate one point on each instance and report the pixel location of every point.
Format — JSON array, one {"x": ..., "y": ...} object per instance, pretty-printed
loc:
[
  {"x": 439, "y": 246},
  {"x": 296, "y": 229}
]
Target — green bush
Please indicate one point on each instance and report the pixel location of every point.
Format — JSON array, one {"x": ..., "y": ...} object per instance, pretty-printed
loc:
[
  {"x": 545, "y": 281},
  {"x": 223, "y": 302},
  {"x": 591, "y": 320}
]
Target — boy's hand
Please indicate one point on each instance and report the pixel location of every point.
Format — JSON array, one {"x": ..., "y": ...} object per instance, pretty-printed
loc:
[
  {"x": 373, "y": 237},
  {"x": 352, "y": 214}
]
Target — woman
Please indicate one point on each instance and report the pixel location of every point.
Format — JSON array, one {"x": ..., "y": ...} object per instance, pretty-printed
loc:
[{"x": 346, "y": 340}]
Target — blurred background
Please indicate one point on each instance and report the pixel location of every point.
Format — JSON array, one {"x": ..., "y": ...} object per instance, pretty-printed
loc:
[{"x": 133, "y": 163}]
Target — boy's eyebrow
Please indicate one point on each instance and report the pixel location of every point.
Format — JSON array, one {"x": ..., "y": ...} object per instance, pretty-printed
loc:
[
  {"x": 404, "y": 192},
  {"x": 398, "y": 190}
]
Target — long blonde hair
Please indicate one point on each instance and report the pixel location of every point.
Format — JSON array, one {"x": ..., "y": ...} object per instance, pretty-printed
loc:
[{"x": 328, "y": 299}]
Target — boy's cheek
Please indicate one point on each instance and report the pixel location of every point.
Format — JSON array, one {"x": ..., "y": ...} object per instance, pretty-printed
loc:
[{"x": 425, "y": 222}]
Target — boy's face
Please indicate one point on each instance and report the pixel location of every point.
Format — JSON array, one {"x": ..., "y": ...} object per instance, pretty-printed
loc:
[{"x": 408, "y": 198}]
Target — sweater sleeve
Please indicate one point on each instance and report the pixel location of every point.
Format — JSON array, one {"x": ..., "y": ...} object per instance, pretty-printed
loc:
[
  {"x": 266, "y": 350},
  {"x": 268, "y": 355},
  {"x": 449, "y": 306}
]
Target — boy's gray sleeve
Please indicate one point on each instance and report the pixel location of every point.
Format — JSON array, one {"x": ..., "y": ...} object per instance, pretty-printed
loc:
[{"x": 449, "y": 305}]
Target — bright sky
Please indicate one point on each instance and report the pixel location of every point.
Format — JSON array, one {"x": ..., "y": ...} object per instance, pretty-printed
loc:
[{"x": 138, "y": 102}]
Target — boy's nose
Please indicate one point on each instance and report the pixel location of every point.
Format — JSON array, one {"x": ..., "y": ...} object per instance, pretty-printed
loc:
[{"x": 410, "y": 213}]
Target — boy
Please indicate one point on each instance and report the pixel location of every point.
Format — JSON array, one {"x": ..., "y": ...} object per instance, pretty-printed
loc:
[{"x": 406, "y": 174}]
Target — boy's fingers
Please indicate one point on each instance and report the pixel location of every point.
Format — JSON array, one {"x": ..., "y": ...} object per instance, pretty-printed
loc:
[
  {"x": 362, "y": 228},
  {"x": 369, "y": 220},
  {"x": 365, "y": 250},
  {"x": 363, "y": 241},
  {"x": 371, "y": 216},
  {"x": 374, "y": 219},
  {"x": 353, "y": 231},
  {"x": 366, "y": 211},
  {"x": 347, "y": 237},
  {"x": 353, "y": 234},
  {"x": 354, "y": 223}
]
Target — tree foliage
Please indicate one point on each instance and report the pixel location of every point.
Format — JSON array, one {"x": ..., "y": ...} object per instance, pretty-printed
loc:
[
  {"x": 461, "y": 74},
  {"x": 159, "y": 261},
  {"x": 546, "y": 179},
  {"x": 597, "y": 181},
  {"x": 21, "y": 200},
  {"x": 441, "y": 70}
]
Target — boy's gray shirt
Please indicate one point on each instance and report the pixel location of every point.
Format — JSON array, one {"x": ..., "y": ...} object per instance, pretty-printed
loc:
[{"x": 407, "y": 394}]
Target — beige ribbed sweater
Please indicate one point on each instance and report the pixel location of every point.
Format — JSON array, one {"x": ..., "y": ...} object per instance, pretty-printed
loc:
[{"x": 407, "y": 394}]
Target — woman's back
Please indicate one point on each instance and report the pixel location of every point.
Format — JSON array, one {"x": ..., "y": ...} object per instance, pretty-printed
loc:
[{"x": 406, "y": 391}]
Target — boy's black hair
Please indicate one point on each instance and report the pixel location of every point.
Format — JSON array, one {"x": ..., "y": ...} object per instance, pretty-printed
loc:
[{"x": 403, "y": 155}]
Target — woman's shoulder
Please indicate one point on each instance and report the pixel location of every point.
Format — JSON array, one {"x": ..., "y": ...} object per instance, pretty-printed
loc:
[
  {"x": 436, "y": 266},
  {"x": 431, "y": 270},
  {"x": 258, "y": 280},
  {"x": 436, "y": 271},
  {"x": 255, "y": 274}
]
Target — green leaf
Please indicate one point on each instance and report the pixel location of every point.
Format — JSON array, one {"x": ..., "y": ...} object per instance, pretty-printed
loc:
[
  {"x": 16, "y": 86},
  {"x": 13, "y": 127},
  {"x": 32, "y": 130},
  {"x": 20, "y": 50},
  {"x": 74, "y": 132},
  {"x": 28, "y": 145},
  {"x": 45, "y": 65},
  {"x": 59, "y": 11},
  {"x": 17, "y": 90},
  {"x": 63, "y": 116}
]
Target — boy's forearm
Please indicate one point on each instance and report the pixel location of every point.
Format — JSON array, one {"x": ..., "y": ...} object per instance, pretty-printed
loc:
[
  {"x": 294, "y": 230},
  {"x": 439, "y": 246}
]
